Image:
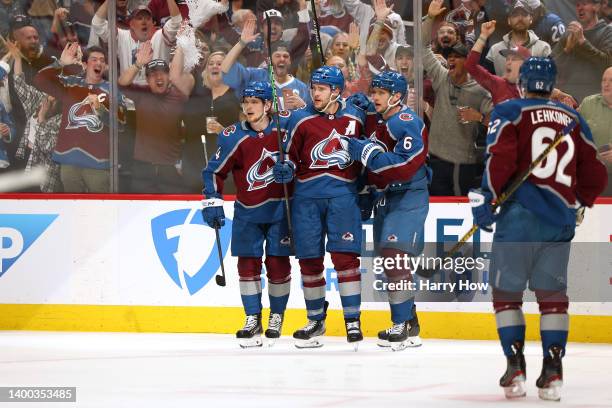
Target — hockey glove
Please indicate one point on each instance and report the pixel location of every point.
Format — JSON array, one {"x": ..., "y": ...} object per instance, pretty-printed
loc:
[
  {"x": 212, "y": 212},
  {"x": 366, "y": 201},
  {"x": 283, "y": 172},
  {"x": 363, "y": 150},
  {"x": 360, "y": 101},
  {"x": 482, "y": 211}
]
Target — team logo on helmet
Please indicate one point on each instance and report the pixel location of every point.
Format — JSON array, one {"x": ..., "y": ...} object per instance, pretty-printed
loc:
[
  {"x": 331, "y": 151},
  {"x": 81, "y": 114},
  {"x": 392, "y": 238},
  {"x": 260, "y": 174},
  {"x": 406, "y": 117},
  {"x": 229, "y": 130}
]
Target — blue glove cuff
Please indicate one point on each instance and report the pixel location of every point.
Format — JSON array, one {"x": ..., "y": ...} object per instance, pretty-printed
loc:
[{"x": 369, "y": 150}]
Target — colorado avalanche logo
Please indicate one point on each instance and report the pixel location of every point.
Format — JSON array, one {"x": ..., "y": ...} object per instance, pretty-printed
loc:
[
  {"x": 229, "y": 130},
  {"x": 406, "y": 117},
  {"x": 284, "y": 114},
  {"x": 81, "y": 114},
  {"x": 378, "y": 141},
  {"x": 260, "y": 174},
  {"x": 331, "y": 151}
]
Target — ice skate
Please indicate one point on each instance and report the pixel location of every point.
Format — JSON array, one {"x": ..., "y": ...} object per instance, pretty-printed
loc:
[
  {"x": 353, "y": 332},
  {"x": 414, "y": 329},
  {"x": 513, "y": 380},
  {"x": 398, "y": 336},
  {"x": 250, "y": 334},
  {"x": 551, "y": 379},
  {"x": 275, "y": 326},
  {"x": 383, "y": 338},
  {"x": 309, "y": 335}
]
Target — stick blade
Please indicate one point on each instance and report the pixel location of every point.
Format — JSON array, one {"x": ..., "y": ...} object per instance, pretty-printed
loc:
[{"x": 220, "y": 280}]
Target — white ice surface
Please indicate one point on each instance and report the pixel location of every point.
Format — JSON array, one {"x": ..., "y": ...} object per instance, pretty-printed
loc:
[{"x": 204, "y": 370}]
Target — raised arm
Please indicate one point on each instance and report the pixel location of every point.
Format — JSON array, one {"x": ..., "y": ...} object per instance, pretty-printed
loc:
[
  {"x": 382, "y": 11},
  {"x": 435, "y": 9},
  {"x": 47, "y": 80},
  {"x": 144, "y": 55},
  {"x": 248, "y": 35},
  {"x": 99, "y": 25},
  {"x": 182, "y": 80},
  {"x": 173, "y": 8},
  {"x": 472, "y": 63}
]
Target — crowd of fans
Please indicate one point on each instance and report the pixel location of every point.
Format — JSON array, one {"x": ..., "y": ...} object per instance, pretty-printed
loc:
[{"x": 54, "y": 104}]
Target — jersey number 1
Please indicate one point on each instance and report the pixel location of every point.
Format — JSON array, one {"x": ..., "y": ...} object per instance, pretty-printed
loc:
[{"x": 549, "y": 166}]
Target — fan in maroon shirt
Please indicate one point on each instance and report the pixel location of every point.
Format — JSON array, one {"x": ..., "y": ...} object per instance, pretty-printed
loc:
[{"x": 504, "y": 87}]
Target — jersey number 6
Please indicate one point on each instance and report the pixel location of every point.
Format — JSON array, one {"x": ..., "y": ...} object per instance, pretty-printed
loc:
[
  {"x": 407, "y": 143},
  {"x": 549, "y": 166}
]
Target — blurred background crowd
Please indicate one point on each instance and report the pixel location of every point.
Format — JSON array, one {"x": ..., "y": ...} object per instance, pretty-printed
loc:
[{"x": 182, "y": 64}]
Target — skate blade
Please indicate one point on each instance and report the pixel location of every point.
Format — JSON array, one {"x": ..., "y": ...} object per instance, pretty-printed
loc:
[
  {"x": 250, "y": 343},
  {"x": 271, "y": 342},
  {"x": 314, "y": 342},
  {"x": 414, "y": 341},
  {"x": 383, "y": 343},
  {"x": 516, "y": 389},
  {"x": 552, "y": 392},
  {"x": 355, "y": 345},
  {"x": 399, "y": 345}
]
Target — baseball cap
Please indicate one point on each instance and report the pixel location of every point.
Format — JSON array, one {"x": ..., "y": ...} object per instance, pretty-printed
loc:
[
  {"x": 404, "y": 50},
  {"x": 387, "y": 26},
  {"x": 534, "y": 4},
  {"x": 140, "y": 9},
  {"x": 521, "y": 51},
  {"x": 458, "y": 49},
  {"x": 18, "y": 21},
  {"x": 521, "y": 4},
  {"x": 273, "y": 14},
  {"x": 156, "y": 65}
]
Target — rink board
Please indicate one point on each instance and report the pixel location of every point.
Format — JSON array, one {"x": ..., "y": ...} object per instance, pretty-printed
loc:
[{"x": 132, "y": 263}]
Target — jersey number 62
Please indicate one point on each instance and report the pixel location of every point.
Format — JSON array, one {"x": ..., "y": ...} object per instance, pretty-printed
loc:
[{"x": 551, "y": 165}]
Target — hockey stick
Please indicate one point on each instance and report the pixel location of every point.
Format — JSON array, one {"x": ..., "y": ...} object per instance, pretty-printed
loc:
[
  {"x": 317, "y": 28},
  {"x": 275, "y": 113},
  {"x": 219, "y": 279},
  {"x": 517, "y": 182}
]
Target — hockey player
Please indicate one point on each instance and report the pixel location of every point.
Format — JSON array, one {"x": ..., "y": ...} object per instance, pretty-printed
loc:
[
  {"x": 395, "y": 156},
  {"x": 536, "y": 225},
  {"x": 249, "y": 150},
  {"x": 325, "y": 202}
]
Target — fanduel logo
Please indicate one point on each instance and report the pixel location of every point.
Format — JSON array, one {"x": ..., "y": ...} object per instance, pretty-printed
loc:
[
  {"x": 17, "y": 233},
  {"x": 186, "y": 247}
]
